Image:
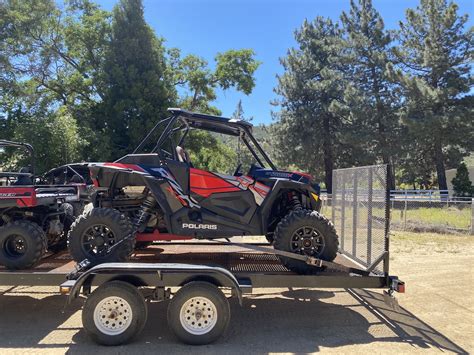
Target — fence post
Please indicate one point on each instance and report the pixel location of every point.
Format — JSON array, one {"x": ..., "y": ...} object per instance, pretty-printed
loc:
[
  {"x": 405, "y": 215},
  {"x": 472, "y": 216}
]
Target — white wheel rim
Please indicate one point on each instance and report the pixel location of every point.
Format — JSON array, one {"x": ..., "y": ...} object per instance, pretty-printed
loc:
[
  {"x": 113, "y": 315},
  {"x": 198, "y": 315}
]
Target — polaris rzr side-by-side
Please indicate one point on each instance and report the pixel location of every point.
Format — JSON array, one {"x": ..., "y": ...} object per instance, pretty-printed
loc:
[
  {"x": 156, "y": 192},
  {"x": 34, "y": 217}
]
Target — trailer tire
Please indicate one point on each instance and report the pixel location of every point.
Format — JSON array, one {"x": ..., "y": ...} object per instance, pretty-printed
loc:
[
  {"x": 109, "y": 326},
  {"x": 206, "y": 326},
  {"x": 92, "y": 225},
  {"x": 23, "y": 244},
  {"x": 306, "y": 232}
]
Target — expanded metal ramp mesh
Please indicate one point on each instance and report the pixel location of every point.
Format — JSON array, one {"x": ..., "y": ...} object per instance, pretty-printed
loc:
[{"x": 360, "y": 212}]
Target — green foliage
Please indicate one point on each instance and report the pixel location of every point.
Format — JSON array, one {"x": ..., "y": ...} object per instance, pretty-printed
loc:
[
  {"x": 138, "y": 92},
  {"x": 58, "y": 130},
  {"x": 234, "y": 68},
  {"x": 108, "y": 71},
  {"x": 435, "y": 54},
  {"x": 462, "y": 185},
  {"x": 351, "y": 97}
]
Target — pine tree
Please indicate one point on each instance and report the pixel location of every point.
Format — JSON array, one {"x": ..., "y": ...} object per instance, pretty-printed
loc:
[
  {"x": 139, "y": 91},
  {"x": 374, "y": 99},
  {"x": 311, "y": 87},
  {"x": 462, "y": 185},
  {"x": 436, "y": 51}
]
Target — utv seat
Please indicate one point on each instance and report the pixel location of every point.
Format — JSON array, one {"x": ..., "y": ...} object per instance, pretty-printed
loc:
[{"x": 183, "y": 156}]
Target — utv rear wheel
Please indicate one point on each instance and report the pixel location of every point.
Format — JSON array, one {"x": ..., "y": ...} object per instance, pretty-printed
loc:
[
  {"x": 23, "y": 243},
  {"x": 95, "y": 232},
  {"x": 309, "y": 233}
]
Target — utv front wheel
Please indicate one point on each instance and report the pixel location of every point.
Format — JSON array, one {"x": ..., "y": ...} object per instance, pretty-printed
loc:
[
  {"x": 308, "y": 233},
  {"x": 94, "y": 234},
  {"x": 22, "y": 244}
]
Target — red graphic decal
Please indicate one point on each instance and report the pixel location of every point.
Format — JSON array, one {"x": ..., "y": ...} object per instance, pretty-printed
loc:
[
  {"x": 175, "y": 194},
  {"x": 24, "y": 196},
  {"x": 205, "y": 184}
]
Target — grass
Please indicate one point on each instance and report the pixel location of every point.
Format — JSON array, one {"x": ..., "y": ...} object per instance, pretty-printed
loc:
[
  {"x": 437, "y": 219},
  {"x": 427, "y": 243},
  {"x": 446, "y": 216}
]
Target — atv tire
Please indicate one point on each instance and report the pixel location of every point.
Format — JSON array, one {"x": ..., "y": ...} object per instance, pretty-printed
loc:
[
  {"x": 97, "y": 230},
  {"x": 23, "y": 244},
  {"x": 306, "y": 232}
]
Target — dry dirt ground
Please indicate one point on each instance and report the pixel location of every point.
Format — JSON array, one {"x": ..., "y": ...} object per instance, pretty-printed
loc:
[{"x": 435, "y": 315}]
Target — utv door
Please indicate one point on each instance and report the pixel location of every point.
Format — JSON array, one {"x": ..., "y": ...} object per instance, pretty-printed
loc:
[{"x": 221, "y": 197}]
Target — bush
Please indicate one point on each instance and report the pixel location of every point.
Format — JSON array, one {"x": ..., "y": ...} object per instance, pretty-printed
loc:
[{"x": 462, "y": 185}]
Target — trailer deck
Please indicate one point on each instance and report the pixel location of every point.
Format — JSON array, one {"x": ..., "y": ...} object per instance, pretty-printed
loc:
[{"x": 261, "y": 269}]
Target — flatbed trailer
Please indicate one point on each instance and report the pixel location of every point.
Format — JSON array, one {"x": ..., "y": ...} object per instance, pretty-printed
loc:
[
  {"x": 192, "y": 270},
  {"x": 194, "y": 274}
]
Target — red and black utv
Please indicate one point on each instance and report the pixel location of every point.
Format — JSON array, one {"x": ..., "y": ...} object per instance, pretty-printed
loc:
[
  {"x": 155, "y": 193},
  {"x": 34, "y": 217}
]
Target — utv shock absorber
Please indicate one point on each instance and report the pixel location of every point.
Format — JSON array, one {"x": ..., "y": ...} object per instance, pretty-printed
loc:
[
  {"x": 294, "y": 201},
  {"x": 144, "y": 213}
]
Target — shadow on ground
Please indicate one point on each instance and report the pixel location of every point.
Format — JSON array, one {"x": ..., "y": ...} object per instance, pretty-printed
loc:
[{"x": 298, "y": 321}]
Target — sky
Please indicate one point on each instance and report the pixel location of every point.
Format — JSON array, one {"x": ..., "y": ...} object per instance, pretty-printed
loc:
[{"x": 206, "y": 27}]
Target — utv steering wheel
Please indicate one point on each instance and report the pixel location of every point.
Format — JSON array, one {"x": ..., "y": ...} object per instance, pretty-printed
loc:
[{"x": 237, "y": 170}]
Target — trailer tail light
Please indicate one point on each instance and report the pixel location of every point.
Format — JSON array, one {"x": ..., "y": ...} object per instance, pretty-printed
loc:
[
  {"x": 400, "y": 287},
  {"x": 64, "y": 290}
]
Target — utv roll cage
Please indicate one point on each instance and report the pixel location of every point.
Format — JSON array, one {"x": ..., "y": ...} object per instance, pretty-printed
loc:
[
  {"x": 183, "y": 121},
  {"x": 31, "y": 152}
]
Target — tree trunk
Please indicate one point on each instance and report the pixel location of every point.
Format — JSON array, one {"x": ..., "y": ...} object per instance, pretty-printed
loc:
[
  {"x": 439, "y": 162},
  {"x": 328, "y": 153}
]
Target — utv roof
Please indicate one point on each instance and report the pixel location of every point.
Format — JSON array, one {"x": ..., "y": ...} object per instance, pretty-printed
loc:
[{"x": 212, "y": 123}]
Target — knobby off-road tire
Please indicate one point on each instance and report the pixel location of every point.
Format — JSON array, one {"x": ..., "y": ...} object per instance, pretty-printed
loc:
[
  {"x": 306, "y": 232},
  {"x": 95, "y": 231},
  {"x": 114, "y": 313},
  {"x": 23, "y": 244},
  {"x": 199, "y": 313}
]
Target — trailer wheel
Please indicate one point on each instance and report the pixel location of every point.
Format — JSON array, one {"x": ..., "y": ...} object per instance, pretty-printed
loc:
[
  {"x": 22, "y": 244},
  {"x": 199, "y": 313},
  {"x": 114, "y": 313},
  {"x": 309, "y": 233},
  {"x": 95, "y": 232}
]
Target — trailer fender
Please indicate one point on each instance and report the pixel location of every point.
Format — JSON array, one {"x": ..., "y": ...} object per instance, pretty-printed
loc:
[{"x": 145, "y": 274}]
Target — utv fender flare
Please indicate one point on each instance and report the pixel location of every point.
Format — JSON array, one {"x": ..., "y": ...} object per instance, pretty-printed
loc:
[{"x": 279, "y": 187}]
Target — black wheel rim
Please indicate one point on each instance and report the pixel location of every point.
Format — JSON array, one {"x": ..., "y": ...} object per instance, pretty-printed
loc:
[
  {"x": 307, "y": 240},
  {"x": 97, "y": 240},
  {"x": 15, "y": 246}
]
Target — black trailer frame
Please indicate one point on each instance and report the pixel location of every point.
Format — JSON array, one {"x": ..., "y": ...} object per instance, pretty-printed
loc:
[{"x": 175, "y": 274}]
